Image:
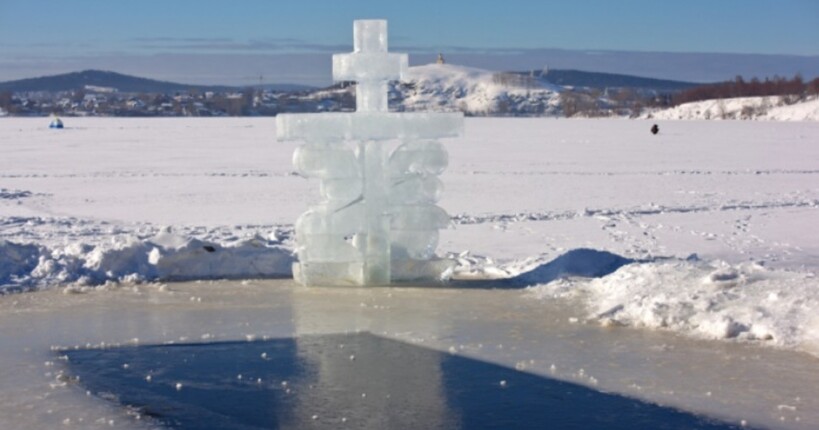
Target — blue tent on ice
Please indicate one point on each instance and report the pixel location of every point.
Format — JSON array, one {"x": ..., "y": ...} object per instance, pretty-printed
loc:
[{"x": 56, "y": 123}]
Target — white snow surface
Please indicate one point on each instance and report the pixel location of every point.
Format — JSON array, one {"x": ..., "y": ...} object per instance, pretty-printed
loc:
[
  {"x": 133, "y": 200},
  {"x": 771, "y": 108}
]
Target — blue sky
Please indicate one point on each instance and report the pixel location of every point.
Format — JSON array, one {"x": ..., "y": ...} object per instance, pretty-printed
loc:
[{"x": 286, "y": 40}]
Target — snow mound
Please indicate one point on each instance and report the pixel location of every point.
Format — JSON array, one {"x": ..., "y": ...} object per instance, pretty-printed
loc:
[
  {"x": 712, "y": 300},
  {"x": 164, "y": 257},
  {"x": 16, "y": 260},
  {"x": 437, "y": 87},
  {"x": 806, "y": 111},
  {"x": 758, "y": 108}
]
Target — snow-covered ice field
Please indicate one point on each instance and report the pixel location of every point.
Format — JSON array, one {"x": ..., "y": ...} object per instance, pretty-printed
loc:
[{"x": 718, "y": 220}]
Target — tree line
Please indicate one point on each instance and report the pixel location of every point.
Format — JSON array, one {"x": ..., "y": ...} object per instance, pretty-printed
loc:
[{"x": 792, "y": 90}]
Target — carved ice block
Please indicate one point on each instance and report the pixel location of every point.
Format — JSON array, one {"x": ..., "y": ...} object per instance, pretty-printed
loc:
[{"x": 378, "y": 222}]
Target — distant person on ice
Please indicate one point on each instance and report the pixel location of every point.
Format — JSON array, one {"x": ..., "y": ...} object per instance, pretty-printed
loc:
[{"x": 655, "y": 129}]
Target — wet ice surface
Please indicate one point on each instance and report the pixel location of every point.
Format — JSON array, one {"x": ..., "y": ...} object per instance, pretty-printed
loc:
[{"x": 733, "y": 382}]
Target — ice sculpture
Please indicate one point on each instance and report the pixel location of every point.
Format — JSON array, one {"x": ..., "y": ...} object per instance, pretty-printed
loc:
[{"x": 378, "y": 222}]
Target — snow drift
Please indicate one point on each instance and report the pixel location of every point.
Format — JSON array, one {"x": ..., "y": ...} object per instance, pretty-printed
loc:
[
  {"x": 165, "y": 257},
  {"x": 713, "y": 300}
]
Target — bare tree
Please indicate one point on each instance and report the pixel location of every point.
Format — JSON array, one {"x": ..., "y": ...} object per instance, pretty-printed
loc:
[
  {"x": 813, "y": 87},
  {"x": 721, "y": 111},
  {"x": 5, "y": 100},
  {"x": 569, "y": 101},
  {"x": 77, "y": 96}
]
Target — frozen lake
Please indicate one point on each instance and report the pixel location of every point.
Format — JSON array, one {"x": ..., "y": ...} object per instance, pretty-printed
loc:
[
  {"x": 712, "y": 306},
  {"x": 735, "y": 190}
]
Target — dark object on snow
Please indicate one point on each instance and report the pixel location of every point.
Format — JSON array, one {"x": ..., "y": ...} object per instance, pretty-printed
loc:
[
  {"x": 580, "y": 262},
  {"x": 56, "y": 123},
  {"x": 209, "y": 248},
  {"x": 655, "y": 129}
]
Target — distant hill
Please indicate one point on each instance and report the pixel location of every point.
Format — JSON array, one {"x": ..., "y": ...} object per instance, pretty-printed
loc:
[
  {"x": 285, "y": 88},
  {"x": 119, "y": 81},
  {"x": 578, "y": 78},
  {"x": 431, "y": 87},
  {"x": 448, "y": 87},
  {"x": 132, "y": 84},
  {"x": 482, "y": 92}
]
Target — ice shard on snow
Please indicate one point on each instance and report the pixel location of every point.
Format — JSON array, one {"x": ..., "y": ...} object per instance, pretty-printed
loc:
[{"x": 377, "y": 222}]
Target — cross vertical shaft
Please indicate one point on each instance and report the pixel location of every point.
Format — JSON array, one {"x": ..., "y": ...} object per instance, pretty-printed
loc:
[
  {"x": 370, "y": 37},
  {"x": 372, "y": 67}
]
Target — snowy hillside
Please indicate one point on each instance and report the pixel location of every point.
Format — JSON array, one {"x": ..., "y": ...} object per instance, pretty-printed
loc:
[
  {"x": 757, "y": 108},
  {"x": 449, "y": 88},
  {"x": 446, "y": 87}
]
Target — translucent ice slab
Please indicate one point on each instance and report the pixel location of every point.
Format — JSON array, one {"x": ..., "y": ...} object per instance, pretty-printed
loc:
[
  {"x": 368, "y": 126},
  {"x": 325, "y": 161}
]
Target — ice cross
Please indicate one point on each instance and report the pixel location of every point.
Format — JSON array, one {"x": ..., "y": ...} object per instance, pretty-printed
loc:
[
  {"x": 370, "y": 65},
  {"x": 377, "y": 222}
]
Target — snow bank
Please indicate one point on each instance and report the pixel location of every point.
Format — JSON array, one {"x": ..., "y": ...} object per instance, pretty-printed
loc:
[
  {"x": 806, "y": 111},
  {"x": 711, "y": 300},
  {"x": 166, "y": 256},
  {"x": 16, "y": 260},
  {"x": 759, "y": 108}
]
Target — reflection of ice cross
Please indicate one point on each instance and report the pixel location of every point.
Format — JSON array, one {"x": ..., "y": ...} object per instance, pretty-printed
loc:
[{"x": 370, "y": 65}]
